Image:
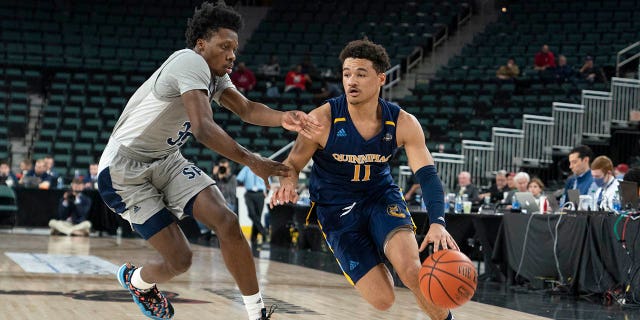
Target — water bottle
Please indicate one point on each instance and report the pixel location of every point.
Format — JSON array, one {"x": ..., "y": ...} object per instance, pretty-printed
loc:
[
  {"x": 543, "y": 204},
  {"x": 615, "y": 202},
  {"x": 515, "y": 205},
  {"x": 594, "y": 201},
  {"x": 60, "y": 183},
  {"x": 458, "y": 205}
]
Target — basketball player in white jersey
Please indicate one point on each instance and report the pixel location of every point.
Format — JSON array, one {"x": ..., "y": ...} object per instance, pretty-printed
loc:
[{"x": 144, "y": 178}]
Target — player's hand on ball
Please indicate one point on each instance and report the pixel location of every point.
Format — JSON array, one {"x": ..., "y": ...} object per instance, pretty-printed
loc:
[
  {"x": 283, "y": 194},
  {"x": 440, "y": 238},
  {"x": 302, "y": 123}
]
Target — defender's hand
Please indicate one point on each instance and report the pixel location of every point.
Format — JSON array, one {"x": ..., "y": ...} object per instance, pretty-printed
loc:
[
  {"x": 264, "y": 168},
  {"x": 440, "y": 237},
  {"x": 301, "y": 122}
]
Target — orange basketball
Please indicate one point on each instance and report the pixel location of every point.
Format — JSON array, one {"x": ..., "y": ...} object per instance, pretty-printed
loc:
[{"x": 448, "y": 278}]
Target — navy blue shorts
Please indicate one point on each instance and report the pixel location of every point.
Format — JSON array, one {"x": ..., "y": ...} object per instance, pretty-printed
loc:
[{"x": 356, "y": 233}]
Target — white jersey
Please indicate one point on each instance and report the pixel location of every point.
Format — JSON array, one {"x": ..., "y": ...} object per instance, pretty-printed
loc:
[{"x": 155, "y": 123}]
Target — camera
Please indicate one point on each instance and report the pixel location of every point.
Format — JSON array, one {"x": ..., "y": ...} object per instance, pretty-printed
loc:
[
  {"x": 222, "y": 170},
  {"x": 71, "y": 198}
]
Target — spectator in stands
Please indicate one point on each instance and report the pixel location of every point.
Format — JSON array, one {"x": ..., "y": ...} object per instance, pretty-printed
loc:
[
  {"x": 308, "y": 67},
  {"x": 296, "y": 81},
  {"x": 40, "y": 176},
  {"x": 605, "y": 181},
  {"x": 588, "y": 70},
  {"x": 6, "y": 175},
  {"x": 25, "y": 166},
  {"x": 91, "y": 180},
  {"x": 509, "y": 71},
  {"x": 620, "y": 170},
  {"x": 521, "y": 181},
  {"x": 328, "y": 90},
  {"x": 499, "y": 189},
  {"x": 544, "y": 59},
  {"x": 48, "y": 160},
  {"x": 465, "y": 187},
  {"x": 73, "y": 212},
  {"x": 226, "y": 182},
  {"x": 254, "y": 198},
  {"x": 271, "y": 68},
  {"x": 510, "y": 183},
  {"x": 272, "y": 71},
  {"x": 243, "y": 78},
  {"x": 579, "y": 161},
  {"x": 563, "y": 72}
]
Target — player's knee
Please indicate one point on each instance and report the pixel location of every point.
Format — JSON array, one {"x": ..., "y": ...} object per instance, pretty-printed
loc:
[
  {"x": 409, "y": 275},
  {"x": 228, "y": 224},
  {"x": 181, "y": 263},
  {"x": 384, "y": 303}
]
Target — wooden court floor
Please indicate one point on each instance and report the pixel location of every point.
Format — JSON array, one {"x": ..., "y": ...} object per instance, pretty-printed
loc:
[{"x": 206, "y": 291}]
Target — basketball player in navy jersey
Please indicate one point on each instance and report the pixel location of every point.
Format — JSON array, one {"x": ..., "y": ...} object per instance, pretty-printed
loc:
[
  {"x": 145, "y": 179},
  {"x": 359, "y": 208}
]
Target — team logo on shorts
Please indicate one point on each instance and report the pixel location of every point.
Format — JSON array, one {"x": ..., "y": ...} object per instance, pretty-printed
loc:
[{"x": 394, "y": 211}]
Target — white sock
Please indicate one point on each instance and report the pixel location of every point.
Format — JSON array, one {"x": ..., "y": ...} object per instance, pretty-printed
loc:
[
  {"x": 254, "y": 305},
  {"x": 136, "y": 280}
]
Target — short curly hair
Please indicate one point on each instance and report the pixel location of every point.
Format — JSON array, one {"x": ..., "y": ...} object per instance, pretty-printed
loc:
[
  {"x": 208, "y": 19},
  {"x": 365, "y": 49}
]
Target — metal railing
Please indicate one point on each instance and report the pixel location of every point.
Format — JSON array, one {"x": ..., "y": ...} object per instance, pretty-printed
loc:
[
  {"x": 414, "y": 58},
  {"x": 626, "y": 97},
  {"x": 507, "y": 145},
  {"x": 479, "y": 161},
  {"x": 537, "y": 141},
  {"x": 627, "y": 55},
  {"x": 393, "y": 78},
  {"x": 404, "y": 173},
  {"x": 597, "y": 114},
  {"x": 448, "y": 165},
  {"x": 568, "y": 124},
  {"x": 439, "y": 41}
]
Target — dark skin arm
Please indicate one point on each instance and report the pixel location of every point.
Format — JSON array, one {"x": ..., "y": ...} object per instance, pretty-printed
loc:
[
  {"x": 260, "y": 114},
  {"x": 209, "y": 133}
]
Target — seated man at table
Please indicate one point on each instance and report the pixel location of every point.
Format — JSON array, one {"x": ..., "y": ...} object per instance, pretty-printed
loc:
[
  {"x": 465, "y": 187},
  {"x": 521, "y": 181},
  {"x": 605, "y": 182},
  {"x": 579, "y": 162},
  {"x": 73, "y": 211},
  {"x": 38, "y": 177},
  {"x": 499, "y": 189}
]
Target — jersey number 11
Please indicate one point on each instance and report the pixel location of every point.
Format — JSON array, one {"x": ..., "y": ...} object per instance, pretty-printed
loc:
[{"x": 356, "y": 173}]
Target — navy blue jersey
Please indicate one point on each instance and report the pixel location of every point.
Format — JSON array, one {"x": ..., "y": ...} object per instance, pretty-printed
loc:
[{"x": 350, "y": 167}]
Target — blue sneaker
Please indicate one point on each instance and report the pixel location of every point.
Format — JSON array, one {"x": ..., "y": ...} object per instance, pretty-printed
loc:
[{"x": 152, "y": 302}]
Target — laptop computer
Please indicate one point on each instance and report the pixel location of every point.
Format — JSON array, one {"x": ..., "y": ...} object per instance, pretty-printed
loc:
[
  {"x": 527, "y": 202},
  {"x": 628, "y": 194},
  {"x": 574, "y": 197},
  {"x": 554, "y": 206}
]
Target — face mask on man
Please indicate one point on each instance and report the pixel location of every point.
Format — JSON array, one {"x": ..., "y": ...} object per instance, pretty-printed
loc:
[{"x": 599, "y": 182}]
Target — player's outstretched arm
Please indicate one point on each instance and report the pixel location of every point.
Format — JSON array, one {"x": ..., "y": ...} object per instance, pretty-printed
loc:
[
  {"x": 259, "y": 114},
  {"x": 207, "y": 132},
  {"x": 410, "y": 134},
  {"x": 302, "y": 151}
]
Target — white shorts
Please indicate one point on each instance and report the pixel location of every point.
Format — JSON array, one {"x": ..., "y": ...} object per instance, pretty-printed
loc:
[{"x": 139, "y": 188}]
